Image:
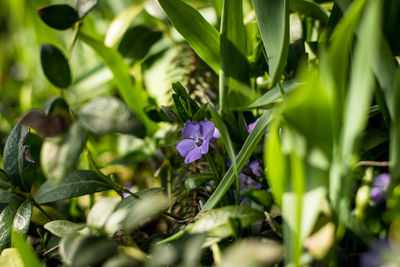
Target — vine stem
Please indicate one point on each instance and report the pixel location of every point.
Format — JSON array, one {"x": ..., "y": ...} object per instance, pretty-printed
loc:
[{"x": 74, "y": 38}]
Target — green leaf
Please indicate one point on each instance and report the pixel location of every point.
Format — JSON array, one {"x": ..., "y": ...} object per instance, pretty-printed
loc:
[
  {"x": 142, "y": 209},
  {"x": 274, "y": 94},
  {"x": 80, "y": 250},
  {"x": 83, "y": 7},
  {"x": 77, "y": 183},
  {"x": 19, "y": 167},
  {"x": 22, "y": 219},
  {"x": 252, "y": 252},
  {"x": 59, "y": 17},
  {"x": 395, "y": 134},
  {"x": 201, "y": 36},
  {"x": 248, "y": 148},
  {"x": 60, "y": 154},
  {"x": 25, "y": 251},
  {"x": 5, "y": 189},
  {"x": 55, "y": 66},
  {"x": 216, "y": 222},
  {"x": 235, "y": 68},
  {"x": 310, "y": 9},
  {"x": 273, "y": 22},
  {"x": 142, "y": 194},
  {"x": 101, "y": 211},
  {"x": 193, "y": 181},
  {"x": 120, "y": 24},
  {"x": 137, "y": 42},
  {"x": 6, "y": 223},
  {"x": 11, "y": 258},
  {"x": 134, "y": 95},
  {"x": 110, "y": 115},
  {"x": 62, "y": 228}
]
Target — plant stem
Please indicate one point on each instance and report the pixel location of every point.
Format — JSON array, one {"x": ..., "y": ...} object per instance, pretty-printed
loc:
[
  {"x": 74, "y": 38},
  {"x": 213, "y": 167}
]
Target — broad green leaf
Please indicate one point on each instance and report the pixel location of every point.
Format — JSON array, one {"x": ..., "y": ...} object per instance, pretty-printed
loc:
[
  {"x": 234, "y": 68},
  {"x": 274, "y": 94},
  {"x": 137, "y": 42},
  {"x": 310, "y": 9},
  {"x": 83, "y": 7},
  {"x": 25, "y": 251},
  {"x": 252, "y": 252},
  {"x": 62, "y": 228},
  {"x": 55, "y": 66},
  {"x": 22, "y": 219},
  {"x": 19, "y": 167},
  {"x": 248, "y": 148},
  {"x": 39, "y": 218},
  {"x": 80, "y": 250},
  {"x": 110, "y": 115},
  {"x": 134, "y": 95},
  {"x": 273, "y": 22},
  {"x": 6, "y": 223},
  {"x": 101, "y": 211},
  {"x": 77, "y": 183},
  {"x": 60, "y": 154},
  {"x": 120, "y": 25},
  {"x": 59, "y": 17},
  {"x": 216, "y": 222},
  {"x": 203, "y": 37},
  {"x": 11, "y": 258}
]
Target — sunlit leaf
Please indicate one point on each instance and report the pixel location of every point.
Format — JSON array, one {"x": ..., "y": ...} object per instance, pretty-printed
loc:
[
  {"x": 25, "y": 251},
  {"x": 22, "y": 219},
  {"x": 62, "y": 228},
  {"x": 83, "y": 7}
]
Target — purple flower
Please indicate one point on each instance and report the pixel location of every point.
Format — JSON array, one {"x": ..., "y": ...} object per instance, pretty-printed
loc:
[
  {"x": 198, "y": 136},
  {"x": 251, "y": 126},
  {"x": 379, "y": 187}
]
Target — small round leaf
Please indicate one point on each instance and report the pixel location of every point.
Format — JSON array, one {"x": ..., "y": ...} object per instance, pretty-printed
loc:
[
  {"x": 59, "y": 17},
  {"x": 55, "y": 66}
]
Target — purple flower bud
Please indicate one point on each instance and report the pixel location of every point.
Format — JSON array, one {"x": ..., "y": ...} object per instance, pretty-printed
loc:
[
  {"x": 198, "y": 136},
  {"x": 251, "y": 126},
  {"x": 379, "y": 187}
]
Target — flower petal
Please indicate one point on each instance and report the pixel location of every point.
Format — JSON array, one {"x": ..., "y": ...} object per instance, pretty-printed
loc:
[
  {"x": 191, "y": 130},
  {"x": 251, "y": 126},
  {"x": 193, "y": 155},
  {"x": 207, "y": 129},
  {"x": 185, "y": 146},
  {"x": 204, "y": 147},
  {"x": 256, "y": 168}
]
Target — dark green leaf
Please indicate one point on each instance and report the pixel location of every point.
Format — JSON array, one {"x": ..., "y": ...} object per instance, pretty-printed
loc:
[
  {"x": 137, "y": 42},
  {"x": 77, "y": 183},
  {"x": 203, "y": 37},
  {"x": 310, "y": 9},
  {"x": 62, "y": 228},
  {"x": 5, "y": 191},
  {"x": 26, "y": 252},
  {"x": 16, "y": 158},
  {"x": 110, "y": 115},
  {"x": 60, "y": 154},
  {"x": 6, "y": 222},
  {"x": 55, "y": 66},
  {"x": 273, "y": 22},
  {"x": 55, "y": 105},
  {"x": 59, "y": 17},
  {"x": 83, "y": 7}
]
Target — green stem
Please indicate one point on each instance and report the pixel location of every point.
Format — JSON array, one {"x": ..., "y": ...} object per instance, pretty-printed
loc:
[{"x": 74, "y": 38}]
